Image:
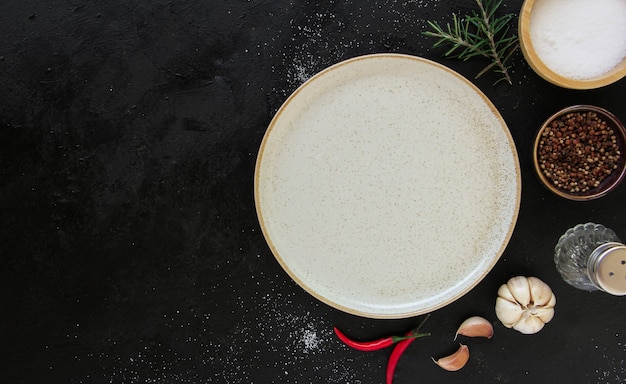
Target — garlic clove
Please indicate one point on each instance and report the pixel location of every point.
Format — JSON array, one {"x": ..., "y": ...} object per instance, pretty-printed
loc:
[
  {"x": 519, "y": 289},
  {"x": 545, "y": 314},
  {"x": 552, "y": 302},
  {"x": 505, "y": 293},
  {"x": 455, "y": 361},
  {"x": 528, "y": 324},
  {"x": 475, "y": 326},
  {"x": 540, "y": 292},
  {"x": 507, "y": 312}
]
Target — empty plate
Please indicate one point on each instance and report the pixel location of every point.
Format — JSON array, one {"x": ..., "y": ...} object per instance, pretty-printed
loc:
[{"x": 387, "y": 186}]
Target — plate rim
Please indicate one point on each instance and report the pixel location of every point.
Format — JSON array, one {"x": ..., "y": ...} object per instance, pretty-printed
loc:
[{"x": 396, "y": 315}]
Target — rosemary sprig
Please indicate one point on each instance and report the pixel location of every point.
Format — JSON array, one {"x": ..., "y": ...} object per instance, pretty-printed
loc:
[{"x": 479, "y": 34}]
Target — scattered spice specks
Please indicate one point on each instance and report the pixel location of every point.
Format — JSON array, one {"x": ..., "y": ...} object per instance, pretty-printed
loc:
[
  {"x": 249, "y": 336},
  {"x": 615, "y": 370}
]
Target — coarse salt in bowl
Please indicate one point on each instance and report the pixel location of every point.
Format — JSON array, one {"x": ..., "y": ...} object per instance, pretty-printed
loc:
[{"x": 577, "y": 44}]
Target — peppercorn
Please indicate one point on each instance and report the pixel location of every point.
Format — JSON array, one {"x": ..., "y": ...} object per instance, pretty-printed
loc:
[{"x": 577, "y": 151}]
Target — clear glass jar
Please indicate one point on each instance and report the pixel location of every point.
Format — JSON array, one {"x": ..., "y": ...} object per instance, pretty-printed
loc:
[{"x": 591, "y": 257}]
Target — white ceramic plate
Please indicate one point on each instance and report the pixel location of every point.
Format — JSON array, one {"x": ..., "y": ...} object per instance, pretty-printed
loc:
[{"x": 387, "y": 186}]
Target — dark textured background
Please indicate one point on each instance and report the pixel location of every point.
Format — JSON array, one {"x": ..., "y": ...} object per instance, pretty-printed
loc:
[{"x": 130, "y": 248}]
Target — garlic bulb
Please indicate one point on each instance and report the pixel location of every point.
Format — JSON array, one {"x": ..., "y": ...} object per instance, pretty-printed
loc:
[{"x": 525, "y": 304}]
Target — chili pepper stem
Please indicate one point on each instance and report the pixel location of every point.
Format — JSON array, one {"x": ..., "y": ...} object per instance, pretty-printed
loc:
[
  {"x": 411, "y": 336},
  {"x": 422, "y": 323}
]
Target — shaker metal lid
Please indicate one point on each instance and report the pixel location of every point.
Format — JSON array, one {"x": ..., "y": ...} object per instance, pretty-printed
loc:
[{"x": 609, "y": 269}]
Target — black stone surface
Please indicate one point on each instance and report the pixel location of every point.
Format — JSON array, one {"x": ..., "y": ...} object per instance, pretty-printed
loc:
[{"x": 130, "y": 248}]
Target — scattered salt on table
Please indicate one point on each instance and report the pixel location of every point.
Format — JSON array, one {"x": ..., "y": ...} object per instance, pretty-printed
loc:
[{"x": 579, "y": 39}]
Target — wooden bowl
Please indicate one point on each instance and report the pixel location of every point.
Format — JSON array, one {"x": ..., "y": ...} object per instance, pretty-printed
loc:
[
  {"x": 611, "y": 181},
  {"x": 548, "y": 74}
]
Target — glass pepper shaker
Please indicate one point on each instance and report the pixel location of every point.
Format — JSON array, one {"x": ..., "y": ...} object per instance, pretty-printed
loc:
[{"x": 591, "y": 257}]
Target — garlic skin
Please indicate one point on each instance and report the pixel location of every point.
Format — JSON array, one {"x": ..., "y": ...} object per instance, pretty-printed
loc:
[
  {"x": 475, "y": 326},
  {"x": 525, "y": 304},
  {"x": 455, "y": 361}
]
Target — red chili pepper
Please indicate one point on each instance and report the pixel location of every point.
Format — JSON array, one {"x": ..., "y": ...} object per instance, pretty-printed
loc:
[
  {"x": 399, "y": 349},
  {"x": 373, "y": 345}
]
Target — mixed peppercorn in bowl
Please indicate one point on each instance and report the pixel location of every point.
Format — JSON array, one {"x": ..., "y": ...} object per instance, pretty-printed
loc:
[{"x": 579, "y": 152}]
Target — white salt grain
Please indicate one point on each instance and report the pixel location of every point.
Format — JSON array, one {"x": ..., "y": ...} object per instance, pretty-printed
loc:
[
  {"x": 310, "y": 340},
  {"x": 579, "y": 39}
]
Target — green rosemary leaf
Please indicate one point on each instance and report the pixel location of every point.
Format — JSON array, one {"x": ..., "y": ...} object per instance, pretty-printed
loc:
[
  {"x": 499, "y": 24},
  {"x": 485, "y": 70},
  {"x": 451, "y": 50},
  {"x": 509, "y": 50},
  {"x": 456, "y": 22},
  {"x": 504, "y": 46},
  {"x": 492, "y": 6}
]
